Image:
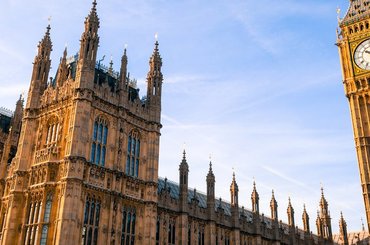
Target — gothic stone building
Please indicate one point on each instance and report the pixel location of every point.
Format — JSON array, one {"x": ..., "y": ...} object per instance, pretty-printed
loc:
[{"x": 86, "y": 167}]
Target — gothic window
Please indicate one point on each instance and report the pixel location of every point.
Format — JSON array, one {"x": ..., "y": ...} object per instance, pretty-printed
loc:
[
  {"x": 133, "y": 154},
  {"x": 157, "y": 233},
  {"x": 171, "y": 233},
  {"x": 99, "y": 142},
  {"x": 90, "y": 230},
  {"x": 45, "y": 226},
  {"x": 189, "y": 235},
  {"x": 52, "y": 133},
  {"x": 33, "y": 221},
  {"x": 201, "y": 236},
  {"x": 227, "y": 239},
  {"x": 128, "y": 226}
]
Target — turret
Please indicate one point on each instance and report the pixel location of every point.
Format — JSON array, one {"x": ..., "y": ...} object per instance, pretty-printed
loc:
[
  {"x": 88, "y": 50},
  {"x": 40, "y": 73},
  {"x": 210, "y": 191},
  {"x": 255, "y": 200},
  {"x": 274, "y": 207},
  {"x": 154, "y": 80},
  {"x": 305, "y": 220},
  {"x": 343, "y": 230},
  {"x": 183, "y": 175}
]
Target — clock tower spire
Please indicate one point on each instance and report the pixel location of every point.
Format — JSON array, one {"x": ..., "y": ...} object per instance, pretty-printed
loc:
[{"x": 353, "y": 42}]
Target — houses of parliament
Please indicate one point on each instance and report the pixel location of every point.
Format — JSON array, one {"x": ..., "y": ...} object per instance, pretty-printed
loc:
[{"x": 80, "y": 159}]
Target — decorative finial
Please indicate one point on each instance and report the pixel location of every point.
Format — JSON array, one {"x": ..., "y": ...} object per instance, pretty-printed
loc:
[
  {"x": 156, "y": 36},
  {"x": 184, "y": 155},
  {"x": 124, "y": 51},
  {"x": 94, "y": 4}
]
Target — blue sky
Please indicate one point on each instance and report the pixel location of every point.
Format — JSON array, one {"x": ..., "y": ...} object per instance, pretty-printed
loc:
[{"x": 256, "y": 84}]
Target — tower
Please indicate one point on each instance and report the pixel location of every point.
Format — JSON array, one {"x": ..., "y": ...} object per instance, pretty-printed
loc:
[
  {"x": 86, "y": 168},
  {"x": 353, "y": 42}
]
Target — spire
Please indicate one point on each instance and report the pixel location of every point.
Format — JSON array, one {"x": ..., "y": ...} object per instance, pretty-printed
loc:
[
  {"x": 62, "y": 73},
  {"x": 154, "y": 76},
  {"x": 234, "y": 189},
  {"x": 319, "y": 225},
  {"x": 323, "y": 203},
  {"x": 183, "y": 180},
  {"x": 210, "y": 191},
  {"x": 306, "y": 220},
  {"x": 110, "y": 70},
  {"x": 274, "y": 206},
  {"x": 184, "y": 170},
  {"x": 357, "y": 11},
  {"x": 325, "y": 219},
  {"x": 343, "y": 229},
  {"x": 255, "y": 199},
  {"x": 41, "y": 68},
  {"x": 89, "y": 40},
  {"x": 123, "y": 74},
  {"x": 290, "y": 212}
]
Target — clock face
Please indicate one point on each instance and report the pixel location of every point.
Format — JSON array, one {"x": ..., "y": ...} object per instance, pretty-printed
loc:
[{"x": 362, "y": 55}]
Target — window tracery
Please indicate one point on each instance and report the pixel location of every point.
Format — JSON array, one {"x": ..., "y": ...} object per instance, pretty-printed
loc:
[
  {"x": 128, "y": 226},
  {"x": 99, "y": 141},
  {"x": 90, "y": 229},
  {"x": 133, "y": 154}
]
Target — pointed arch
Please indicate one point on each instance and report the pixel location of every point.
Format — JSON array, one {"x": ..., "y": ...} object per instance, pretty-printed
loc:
[
  {"x": 99, "y": 140},
  {"x": 133, "y": 153}
]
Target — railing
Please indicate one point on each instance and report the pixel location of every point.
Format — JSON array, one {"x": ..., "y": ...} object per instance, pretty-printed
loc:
[{"x": 47, "y": 154}]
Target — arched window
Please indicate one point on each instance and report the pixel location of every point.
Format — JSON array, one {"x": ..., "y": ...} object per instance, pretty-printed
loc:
[
  {"x": 157, "y": 233},
  {"x": 45, "y": 226},
  {"x": 33, "y": 220},
  {"x": 90, "y": 230},
  {"x": 133, "y": 154},
  {"x": 201, "y": 236},
  {"x": 128, "y": 226},
  {"x": 53, "y": 129},
  {"x": 189, "y": 234},
  {"x": 171, "y": 233},
  {"x": 99, "y": 142}
]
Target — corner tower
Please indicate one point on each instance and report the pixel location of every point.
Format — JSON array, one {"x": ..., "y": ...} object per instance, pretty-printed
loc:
[{"x": 353, "y": 42}]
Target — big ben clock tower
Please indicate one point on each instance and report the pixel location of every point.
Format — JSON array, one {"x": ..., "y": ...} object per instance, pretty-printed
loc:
[{"x": 354, "y": 51}]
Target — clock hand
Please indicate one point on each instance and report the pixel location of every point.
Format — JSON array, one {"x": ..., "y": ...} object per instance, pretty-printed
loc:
[{"x": 367, "y": 51}]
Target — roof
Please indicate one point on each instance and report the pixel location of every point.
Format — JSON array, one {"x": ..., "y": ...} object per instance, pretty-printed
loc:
[
  {"x": 5, "y": 118},
  {"x": 173, "y": 188},
  {"x": 361, "y": 237},
  {"x": 103, "y": 74},
  {"x": 357, "y": 10}
]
